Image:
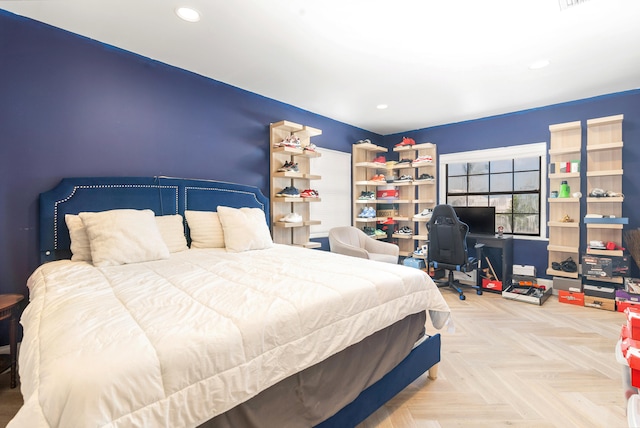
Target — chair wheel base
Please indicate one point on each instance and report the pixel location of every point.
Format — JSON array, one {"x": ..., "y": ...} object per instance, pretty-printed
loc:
[
  {"x": 462, "y": 297},
  {"x": 479, "y": 292}
]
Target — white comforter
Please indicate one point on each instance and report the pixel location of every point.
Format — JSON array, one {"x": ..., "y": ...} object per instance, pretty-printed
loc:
[{"x": 176, "y": 342}]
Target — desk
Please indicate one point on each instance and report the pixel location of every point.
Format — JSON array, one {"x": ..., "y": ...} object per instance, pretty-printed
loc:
[
  {"x": 9, "y": 305},
  {"x": 504, "y": 257}
]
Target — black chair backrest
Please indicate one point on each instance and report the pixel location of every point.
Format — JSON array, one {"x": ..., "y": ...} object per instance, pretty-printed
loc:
[{"x": 447, "y": 237}]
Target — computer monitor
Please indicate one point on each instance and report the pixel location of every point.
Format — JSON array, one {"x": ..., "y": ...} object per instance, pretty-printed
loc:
[{"x": 481, "y": 220}]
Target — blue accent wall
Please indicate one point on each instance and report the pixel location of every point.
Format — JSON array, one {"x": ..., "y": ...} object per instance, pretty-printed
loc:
[
  {"x": 532, "y": 126},
  {"x": 71, "y": 106}
]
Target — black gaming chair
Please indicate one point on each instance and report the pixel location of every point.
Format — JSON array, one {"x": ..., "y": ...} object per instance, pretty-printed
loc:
[{"x": 448, "y": 247}]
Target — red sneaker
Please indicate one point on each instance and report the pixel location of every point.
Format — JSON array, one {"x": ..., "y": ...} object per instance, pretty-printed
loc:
[
  {"x": 406, "y": 142},
  {"x": 380, "y": 159}
]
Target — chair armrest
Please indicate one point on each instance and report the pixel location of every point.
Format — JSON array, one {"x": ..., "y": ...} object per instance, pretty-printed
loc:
[
  {"x": 381, "y": 247},
  {"x": 349, "y": 250}
]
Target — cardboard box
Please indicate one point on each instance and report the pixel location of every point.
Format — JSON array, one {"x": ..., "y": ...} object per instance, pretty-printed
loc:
[
  {"x": 524, "y": 270},
  {"x": 533, "y": 295},
  {"x": 596, "y": 290},
  {"x": 414, "y": 262},
  {"x": 599, "y": 303},
  {"x": 491, "y": 284},
  {"x": 605, "y": 266},
  {"x": 388, "y": 194},
  {"x": 567, "y": 284},
  {"x": 571, "y": 297},
  {"x": 621, "y": 306}
]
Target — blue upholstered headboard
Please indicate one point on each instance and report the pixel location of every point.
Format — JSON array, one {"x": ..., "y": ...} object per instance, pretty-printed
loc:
[{"x": 163, "y": 195}]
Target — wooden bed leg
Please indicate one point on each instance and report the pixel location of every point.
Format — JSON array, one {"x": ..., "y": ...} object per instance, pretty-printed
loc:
[{"x": 433, "y": 372}]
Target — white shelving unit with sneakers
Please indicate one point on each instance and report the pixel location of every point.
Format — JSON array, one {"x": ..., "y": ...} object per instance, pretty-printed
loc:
[
  {"x": 366, "y": 174},
  {"x": 290, "y": 152},
  {"x": 565, "y": 147},
  {"x": 420, "y": 192},
  {"x": 604, "y": 184},
  {"x": 407, "y": 190}
]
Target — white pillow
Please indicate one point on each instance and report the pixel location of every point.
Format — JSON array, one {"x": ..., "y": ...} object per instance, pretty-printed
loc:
[
  {"x": 244, "y": 229},
  {"x": 80, "y": 247},
  {"x": 123, "y": 236},
  {"x": 171, "y": 229},
  {"x": 205, "y": 229}
]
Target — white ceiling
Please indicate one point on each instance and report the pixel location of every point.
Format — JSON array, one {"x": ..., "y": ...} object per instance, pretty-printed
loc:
[{"x": 432, "y": 61}]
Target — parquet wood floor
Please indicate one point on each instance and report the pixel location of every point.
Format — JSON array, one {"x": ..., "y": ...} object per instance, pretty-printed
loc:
[
  {"x": 508, "y": 364},
  {"x": 518, "y": 365}
]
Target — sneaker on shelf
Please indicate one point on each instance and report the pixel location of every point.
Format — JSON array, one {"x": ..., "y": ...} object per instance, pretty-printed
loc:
[
  {"x": 372, "y": 213},
  {"x": 406, "y": 142},
  {"x": 291, "y": 141},
  {"x": 309, "y": 193},
  {"x": 426, "y": 213},
  {"x": 365, "y": 141},
  {"x": 285, "y": 167},
  {"x": 378, "y": 177},
  {"x": 364, "y": 196},
  {"x": 367, "y": 212},
  {"x": 289, "y": 192},
  {"x": 292, "y": 218},
  {"x": 425, "y": 177},
  {"x": 419, "y": 252},
  {"x": 404, "y": 162},
  {"x": 391, "y": 163},
  {"x": 405, "y": 178},
  {"x": 379, "y": 232},
  {"x": 405, "y": 230},
  {"x": 389, "y": 220},
  {"x": 310, "y": 148},
  {"x": 391, "y": 179},
  {"x": 380, "y": 159},
  {"x": 293, "y": 167},
  {"x": 422, "y": 159},
  {"x": 370, "y": 231}
]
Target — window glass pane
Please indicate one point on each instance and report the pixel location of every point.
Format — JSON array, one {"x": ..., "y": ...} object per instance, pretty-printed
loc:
[
  {"x": 457, "y": 184},
  {"x": 501, "y": 202},
  {"x": 501, "y": 166},
  {"x": 478, "y": 183},
  {"x": 501, "y": 182},
  {"x": 526, "y": 224},
  {"x": 504, "y": 220},
  {"x": 523, "y": 181},
  {"x": 457, "y": 201},
  {"x": 478, "y": 167},
  {"x": 526, "y": 203},
  {"x": 478, "y": 201},
  {"x": 457, "y": 169},
  {"x": 526, "y": 164}
]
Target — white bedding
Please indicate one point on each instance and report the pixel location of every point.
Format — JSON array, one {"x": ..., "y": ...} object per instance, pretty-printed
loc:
[{"x": 175, "y": 342}]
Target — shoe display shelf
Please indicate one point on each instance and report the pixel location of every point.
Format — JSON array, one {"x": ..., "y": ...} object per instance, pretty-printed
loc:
[
  {"x": 604, "y": 172},
  {"x": 290, "y": 233},
  {"x": 565, "y": 148},
  {"x": 419, "y": 194},
  {"x": 364, "y": 169}
]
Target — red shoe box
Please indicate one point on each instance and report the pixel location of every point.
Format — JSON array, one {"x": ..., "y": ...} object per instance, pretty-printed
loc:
[
  {"x": 633, "y": 358},
  {"x": 388, "y": 194},
  {"x": 571, "y": 297},
  {"x": 492, "y": 284},
  {"x": 633, "y": 322},
  {"x": 621, "y": 305}
]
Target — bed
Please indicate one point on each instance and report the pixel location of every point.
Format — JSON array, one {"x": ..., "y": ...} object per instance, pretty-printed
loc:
[{"x": 157, "y": 321}]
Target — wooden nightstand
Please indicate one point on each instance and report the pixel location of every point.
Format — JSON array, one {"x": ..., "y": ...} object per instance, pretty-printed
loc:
[{"x": 9, "y": 305}]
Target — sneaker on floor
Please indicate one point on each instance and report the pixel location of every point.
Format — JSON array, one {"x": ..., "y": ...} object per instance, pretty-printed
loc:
[{"x": 292, "y": 218}]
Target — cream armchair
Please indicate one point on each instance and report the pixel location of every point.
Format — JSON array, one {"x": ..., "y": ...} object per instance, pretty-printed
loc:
[{"x": 351, "y": 241}]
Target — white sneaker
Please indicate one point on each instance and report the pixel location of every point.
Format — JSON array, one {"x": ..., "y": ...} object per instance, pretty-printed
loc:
[{"x": 292, "y": 218}]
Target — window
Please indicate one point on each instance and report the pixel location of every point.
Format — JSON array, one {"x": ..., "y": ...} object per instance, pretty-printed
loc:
[{"x": 511, "y": 179}]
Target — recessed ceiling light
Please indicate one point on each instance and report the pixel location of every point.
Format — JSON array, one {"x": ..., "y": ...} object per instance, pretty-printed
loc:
[
  {"x": 382, "y": 106},
  {"x": 188, "y": 14},
  {"x": 536, "y": 65}
]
